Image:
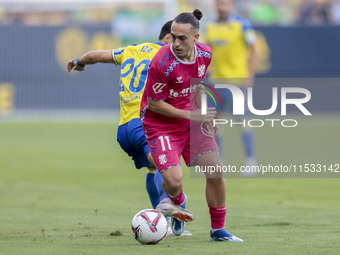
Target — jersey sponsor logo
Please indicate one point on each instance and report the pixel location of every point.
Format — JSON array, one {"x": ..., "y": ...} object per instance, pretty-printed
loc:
[
  {"x": 179, "y": 79},
  {"x": 184, "y": 92},
  {"x": 162, "y": 159},
  {"x": 201, "y": 70},
  {"x": 133, "y": 97},
  {"x": 157, "y": 87}
]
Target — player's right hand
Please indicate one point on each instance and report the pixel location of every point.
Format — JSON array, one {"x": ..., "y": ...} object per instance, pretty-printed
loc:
[
  {"x": 198, "y": 117},
  {"x": 72, "y": 64}
]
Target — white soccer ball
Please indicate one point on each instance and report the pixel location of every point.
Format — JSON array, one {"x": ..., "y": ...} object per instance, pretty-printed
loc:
[{"x": 149, "y": 226}]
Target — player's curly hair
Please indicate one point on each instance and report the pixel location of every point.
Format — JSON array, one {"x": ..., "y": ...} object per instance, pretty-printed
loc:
[{"x": 192, "y": 18}]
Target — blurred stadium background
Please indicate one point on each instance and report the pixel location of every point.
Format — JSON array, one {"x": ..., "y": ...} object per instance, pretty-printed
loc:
[{"x": 297, "y": 38}]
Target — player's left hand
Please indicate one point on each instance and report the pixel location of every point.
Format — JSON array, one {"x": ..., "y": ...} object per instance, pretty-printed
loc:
[{"x": 72, "y": 65}]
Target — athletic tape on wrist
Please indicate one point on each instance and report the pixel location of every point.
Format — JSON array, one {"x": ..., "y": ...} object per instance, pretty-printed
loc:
[{"x": 79, "y": 64}]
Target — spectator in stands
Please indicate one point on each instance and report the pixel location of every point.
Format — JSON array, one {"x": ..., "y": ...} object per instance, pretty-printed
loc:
[{"x": 315, "y": 13}]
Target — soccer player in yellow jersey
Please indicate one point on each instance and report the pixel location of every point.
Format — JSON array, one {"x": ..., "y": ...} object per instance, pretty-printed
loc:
[
  {"x": 134, "y": 61},
  {"x": 232, "y": 40}
]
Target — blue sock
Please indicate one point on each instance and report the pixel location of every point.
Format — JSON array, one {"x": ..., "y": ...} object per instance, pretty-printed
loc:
[
  {"x": 158, "y": 182},
  {"x": 248, "y": 141},
  {"x": 151, "y": 187}
]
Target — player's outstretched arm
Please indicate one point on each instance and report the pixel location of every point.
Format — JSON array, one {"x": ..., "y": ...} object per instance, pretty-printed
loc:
[{"x": 90, "y": 58}]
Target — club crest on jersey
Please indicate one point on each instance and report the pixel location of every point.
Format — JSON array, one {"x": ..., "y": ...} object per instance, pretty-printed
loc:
[
  {"x": 201, "y": 70},
  {"x": 157, "y": 87},
  {"x": 162, "y": 159},
  {"x": 179, "y": 79}
]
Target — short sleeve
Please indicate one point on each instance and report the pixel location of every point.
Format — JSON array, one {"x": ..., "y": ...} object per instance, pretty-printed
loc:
[
  {"x": 249, "y": 33},
  {"x": 208, "y": 64},
  {"x": 117, "y": 55},
  {"x": 157, "y": 87}
]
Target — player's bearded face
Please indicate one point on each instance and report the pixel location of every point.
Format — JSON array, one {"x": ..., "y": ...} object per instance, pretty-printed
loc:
[{"x": 183, "y": 39}]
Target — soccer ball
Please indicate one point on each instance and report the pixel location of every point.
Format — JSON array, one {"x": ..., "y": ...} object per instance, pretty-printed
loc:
[{"x": 149, "y": 226}]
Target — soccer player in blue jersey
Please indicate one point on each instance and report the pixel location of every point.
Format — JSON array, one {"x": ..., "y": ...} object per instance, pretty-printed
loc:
[
  {"x": 232, "y": 40},
  {"x": 134, "y": 61}
]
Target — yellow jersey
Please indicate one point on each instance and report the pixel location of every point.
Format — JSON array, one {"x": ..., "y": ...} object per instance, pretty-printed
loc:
[
  {"x": 134, "y": 61},
  {"x": 229, "y": 41}
]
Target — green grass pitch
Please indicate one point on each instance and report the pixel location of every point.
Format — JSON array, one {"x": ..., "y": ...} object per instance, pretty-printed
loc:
[{"x": 67, "y": 189}]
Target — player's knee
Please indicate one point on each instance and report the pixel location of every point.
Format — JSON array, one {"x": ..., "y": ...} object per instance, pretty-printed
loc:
[
  {"x": 175, "y": 185},
  {"x": 172, "y": 181},
  {"x": 216, "y": 181}
]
